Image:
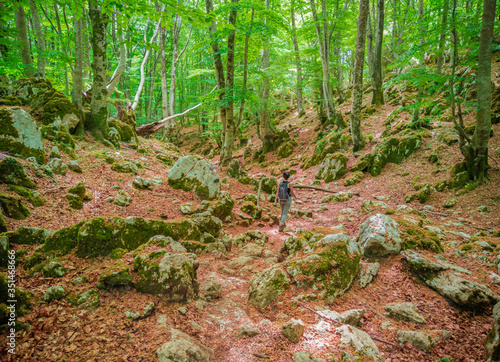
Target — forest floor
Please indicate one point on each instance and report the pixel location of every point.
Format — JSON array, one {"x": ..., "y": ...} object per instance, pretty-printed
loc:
[{"x": 61, "y": 332}]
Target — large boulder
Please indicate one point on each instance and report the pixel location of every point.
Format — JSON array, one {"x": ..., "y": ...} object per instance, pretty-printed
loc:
[
  {"x": 14, "y": 207},
  {"x": 406, "y": 311},
  {"x": 329, "y": 144},
  {"x": 169, "y": 275},
  {"x": 493, "y": 338},
  {"x": 27, "y": 88},
  {"x": 359, "y": 340},
  {"x": 267, "y": 286},
  {"x": 126, "y": 131},
  {"x": 33, "y": 196},
  {"x": 379, "y": 236},
  {"x": 12, "y": 173},
  {"x": 60, "y": 135},
  {"x": 28, "y": 236},
  {"x": 198, "y": 175},
  {"x": 328, "y": 265},
  {"x": 19, "y": 134},
  {"x": 333, "y": 167},
  {"x": 115, "y": 276},
  {"x": 183, "y": 348}
]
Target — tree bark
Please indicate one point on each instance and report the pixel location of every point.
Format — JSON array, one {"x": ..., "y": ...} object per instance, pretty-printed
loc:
[
  {"x": 442, "y": 37},
  {"x": 416, "y": 111},
  {"x": 266, "y": 133},
  {"x": 163, "y": 73},
  {"x": 122, "y": 60},
  {"x": 300, "y": 107},
  {"x": 245, "y": 72},
  {"x": 76, "y": 95},
  {"x": 357, "y": 136},
  {"x": 98, "y": 110},
  {"x": 22, "y": 37},
  {"x": 40, "y": 38},
  {"x": 378, "y": 94},
  {"x": 477, "y": 160},
  {"x": 369, "y": 49}
]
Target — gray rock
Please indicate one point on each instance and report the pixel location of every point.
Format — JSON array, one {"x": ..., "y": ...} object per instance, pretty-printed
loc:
[
  {"x": 424, "y": 265},
  {"x": 370, "y": 205},
  {"x": 293, "y": 330},
  {"x": 407, "y": 312},
  {"x": 127, "y": 167},
  {"x": 74, "y": 166},
  {"x": 182, "y": 310},
  {"x": 249, "y": 331},
  {"x": 58, "y": 167},
  {"x": 192, "y": 174},
  {"x": 54, "y": 152},
  {"x": 357, "y": 339},
  {"x": 142, "y": 183},
  {"x": 333, "y": 167},
  {"x": 212, "y": 289},
  {"x": 187, "y": 208},
  {"x": 240, "y": 261},
  {"x": 122, "y": 198},
  {"x": 55, "y": 292},
  {"x": 252, "y": 250},
  {"x": 352, "y": 317},
  {"x": 306, "y": 357},
  {"x": 267, "y": 286},
  {"x": 379, "y": 236},
  {"x": 495, "y": 278},
  {"x": 385, "y": 325},
  {"x": 484, "y": 245},
  {"x": 423, "y": 341},
  {"x": 367, "y": 272},
  {"x": 183, "y": 348},
  {"x": 164, "y": 241},
  {"x": 493, "y": 338}
]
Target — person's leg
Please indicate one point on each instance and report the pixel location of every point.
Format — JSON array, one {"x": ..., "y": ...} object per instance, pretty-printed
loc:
[{"x": 284, "y": 210}]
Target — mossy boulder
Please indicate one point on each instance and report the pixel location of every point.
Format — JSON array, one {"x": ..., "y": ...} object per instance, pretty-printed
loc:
[
  {"x": 364, "y": 163},
  {"x": 339, "y": 197},
  {"x": 33, "y": 196},
  {"x": 458, "y": 180},
  {"x": 63, "y": 240},
  {"x": 53, "y": 269},
  {"x": 55, "y": 292},
  {"x": 61, "y": 136},
  {"x": 169, "y": 275},
  {"x": 4, "y": 250},
  {"x": 415, "y": 237},
  {"x": 99, "y": 236},
  {"x": 142, "y": 183},
  {"x": 19, "y": 134},
  {"x": 28, "y": 236},
  {"x": 379, "y": 236},
  {"x": 269, "y": 185},
  {"x": 267, "y": 285},
  {"x": 234, "y": 169},
  {"x": 3, "y": 223},
  {"x": 78, "y": 189},
  {"x": 441, "y": 185},
  {"x": 354, "y": 178},
  {"x": 52, "y": 107},
  {"x": 58, "y": 167},
  {"x": 126, "y": 131},
  {"x": 122, "y": 199},
  {"x": 115, "y": 276},
  {"x": 330, "y": 144},
  {"x": 10, "y": 101},
  {"x": 76, "y": 195},
  {"x": 223, "y": 208},
  {"x": 74, "y": 166},
  {"x": 333, "y": 167},
  {"x": 286, "y": 149},
  {"x": 75, "y": 201},
  {"x": 12, "y": 173},
  {"x": 251, "y": 209},
  {"x": 370, "y": 205},
  {"x": 114, "y": 137},
  {"x": 328, "y": 265},
  {"x": 207, "y": 223},
  {"x": 167, "y": 160},
  {"x": 14, "y": 207},
  {"x": 22, "y": 298},
  {"x": 26, "y": 88},
  {"x": 395, "y": 150},
  {"x": 198, "y": 175},
  {"x": 125, "y": 167},
  {"x": 86, "y": 300}
]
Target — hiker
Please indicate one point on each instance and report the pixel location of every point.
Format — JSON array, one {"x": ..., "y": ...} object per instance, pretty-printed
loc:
[{"x": 284, "y": 193}]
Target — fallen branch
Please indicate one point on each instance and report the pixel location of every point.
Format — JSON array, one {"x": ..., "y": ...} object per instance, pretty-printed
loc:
[
  {"x": 51, "y": 190},
  {"x": 434, "y": 213},
  {"x": 319, "y": 189},
  {"x": 163, "y": 195},
  {"x": 258, "y": 192},
  {"x": 149, "y": 168},
  {"x": 260, "y": 355},
  {"x": 335, "y": 321}
]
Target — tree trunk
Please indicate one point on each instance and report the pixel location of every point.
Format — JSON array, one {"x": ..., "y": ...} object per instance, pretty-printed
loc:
[
  {"x": 122, "y": 61},
  {"x": 245, "y": 72},
  {"x": 416, "y": 111},
  {"x": 369, "y": 49},
  {"x": 143, "y": 64},
  {"x": 266, "y": 133},
  {"x": 477, "y": 159},
  {"x": 22, "y": 37},
  {"x": 442, "y": 36},
  {"x": 176, "y": 29},
  {"x": 300, "y": 107},
  {"x": 98, "y": 112},
  {"x": 78, "y": 69},
  {"x": 357, "y": 136},
  {"x": 40, "y": 38},
  {"x": 227, "y": 150},
  {"x": 163, "y": 74},
  {"x": 378, "y": 94}
]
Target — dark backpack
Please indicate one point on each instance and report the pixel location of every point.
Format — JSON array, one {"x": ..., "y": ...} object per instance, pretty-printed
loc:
[{"x": 283, "y": 192}]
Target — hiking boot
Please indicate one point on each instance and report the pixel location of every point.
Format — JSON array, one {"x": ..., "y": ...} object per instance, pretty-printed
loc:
[{"x": 282, "y": 227}]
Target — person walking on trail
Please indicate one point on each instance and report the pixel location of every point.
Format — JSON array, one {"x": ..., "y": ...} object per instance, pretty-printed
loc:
[{"x": 284, "y": 194}]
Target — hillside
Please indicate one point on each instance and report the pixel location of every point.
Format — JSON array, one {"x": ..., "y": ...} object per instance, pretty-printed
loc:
[{"x": 63, "y": 330}]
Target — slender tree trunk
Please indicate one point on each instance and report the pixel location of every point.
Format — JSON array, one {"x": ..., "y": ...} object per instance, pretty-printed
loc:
[
  {"x": 369, "y": 49},
  {"x": 163, "y": 74},
  {"x": 442, "y": 37},
  {"x": 87, "y": 50},
  {"x": 122, "y": 60},
  {"x": 151, "y": 84},
  {"x": 98, "y": 111},
  {"x": 266, "y": 133},
  {"x": 416, "y": 111},
  {"x": 176, "y": 29},
  {"x": 63, "y": 47},
  {"x": 22, "y": 37},
  {"x": 394, "y": 27},
  {"x": 300, "y": 107},
  {"x": 477, "y": 160},
  {"x": 245, "y": 72},
  {"x": 357, "y": 136},
  {"x": 378, "y": 93},
  {"x": 227, "y": 150},
  {"x": 40, "y": 38},
  {"x": 143, "y": 64},
  {"x": 78, "y": 69}
]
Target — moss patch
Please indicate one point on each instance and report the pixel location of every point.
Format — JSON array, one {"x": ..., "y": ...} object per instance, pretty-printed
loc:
[
  {"x": 14, "y": 207},
  {"x": 33, "y": 196},
  {"x": 12, "y": 173},
  {"x": 415, "y": 237}
]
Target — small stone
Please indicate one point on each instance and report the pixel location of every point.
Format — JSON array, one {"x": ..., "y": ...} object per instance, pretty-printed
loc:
[
  {"x": 266, "y": 322},
  {"x": 248, "y": 331},
  {"x": 482, "y": 208},
  {"x": 55, "y": 292},
  {"x": 122, "y": 199},
  {"x": 200, "y": 305},
  {"x": 54, "y": 152},
  {"x": 213, "y": 289},
  {"x": 293, "y": 330},
  {"x": 74, "y": 166},
  {"x": 404, "y": 312},
  {"x": 58, "y": 167},
  {"x": 306, "y": 357},
  {"x": 182, "y": 310},
  {"x": 419, "y": 340},
  {"x": 385, "y": 325},
  {"x": 449, "y": 204}
]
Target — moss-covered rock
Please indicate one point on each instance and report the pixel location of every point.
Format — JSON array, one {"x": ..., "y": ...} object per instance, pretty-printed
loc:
[
  {"x": 53, "y": 269},
  {"x": 167, "y": 160},
  {"x": 354, "y": 178},
  {"x": 269, "y": 185},
  {"x": 286, "y": 149},
  {"x": 74, "y": 166},
  {"x": 370, "y": 205},
  {"x": 339, "y": 197},
  {"x": 416, "y": 237},
  {"x": 22, "y": 298},
  {"x": 14, "y": 207},
  {"x": 28, "y": 236},
  {"x": 126, "y": 167},
  {"x": 395, "y": 150},
  {"x": 458, "y": 180},
  {"x": 364, "y": 163},
  {"x": 99, "y": 236},
  {"x": 122, "y": 199},
  {"x": 52, "y": 107},
  {"x": 4, "y": 250},
  {"x": 26, "y": 88},
  {"x": 86, "y": 300},
  {"x": 126, "y": 131},
  {"x": 333, "y": 167},
  {"x": 251, "y": 209},
  {"x": 61, "y": 136},
  {"x": 10, "y": 101},
  {"x": 198, "y": 175},
  {"x": 434, "y": 156},
  {"x": 171, "y": 276},
  {"x": 115, "y": 276},
  {"x": 267, "y": 286},
  {"x": 332, "y": 143},
  {"x": 207, "y": 223},
  {"x": 441, "y": 185},
  {"x": 223, "y": 208},
  {"x": 19, "y": 134},
  {"x": 142, "y": 183},
  {"x": 55, "y": 292},
  {"x": 449, "y": 204},
  {"x": 234, "y": 169},
  {"x": 33, "y": 196},
  {"x": 63, "y": 240},
  {"x": 58, "y": 167},
  {"x": 12, "y": 173},
  {"x": 75, "y": 201}
]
